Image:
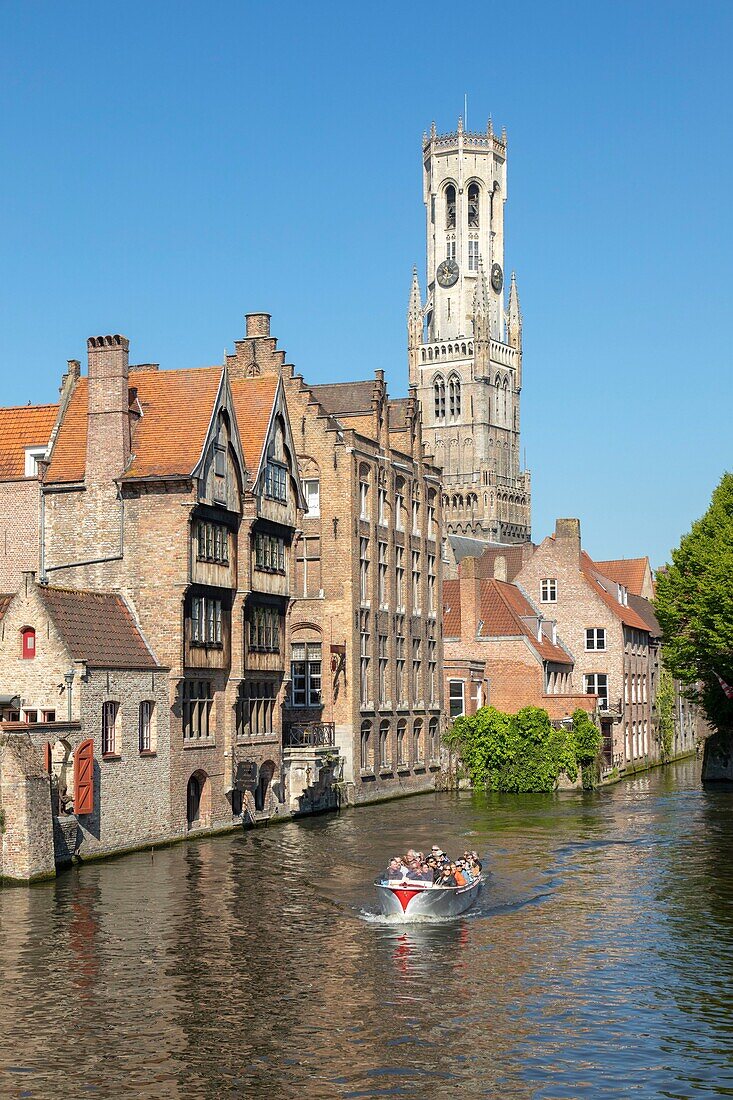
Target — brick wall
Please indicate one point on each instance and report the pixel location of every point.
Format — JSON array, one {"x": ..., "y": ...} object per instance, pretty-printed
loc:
[{"x": 18, "y": 531}]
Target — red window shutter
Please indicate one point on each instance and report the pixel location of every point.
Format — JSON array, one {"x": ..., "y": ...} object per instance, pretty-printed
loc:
[
  {"x": 84, "y": 778},
  {"x": 47, "y": 756}
]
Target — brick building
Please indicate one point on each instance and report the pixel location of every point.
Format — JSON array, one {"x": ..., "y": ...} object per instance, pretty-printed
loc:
[
  {"x": 364, "y": 627},
  {"x": 179, "y": 490},
  {"x": 81, "y": 686},
  {"x": 500, "y": 650}
]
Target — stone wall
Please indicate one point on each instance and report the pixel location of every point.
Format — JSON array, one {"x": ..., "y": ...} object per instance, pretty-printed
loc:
[{"x": 26, "y": 830}]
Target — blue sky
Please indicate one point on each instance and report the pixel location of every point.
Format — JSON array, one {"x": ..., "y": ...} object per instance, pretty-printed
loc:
[{"x": 169, "y": 167}]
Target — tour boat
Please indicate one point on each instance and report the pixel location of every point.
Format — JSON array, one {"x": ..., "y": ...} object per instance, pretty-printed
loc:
[{"x": 410, "y": 900}]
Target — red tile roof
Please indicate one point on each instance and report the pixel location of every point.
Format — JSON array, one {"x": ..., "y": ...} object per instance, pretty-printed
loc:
[
  {"x": 630, "y": 572},
  {"x": 98, "y": 628},
  {"x": 595, "y": 578},
  {"x": 21, "y": 427},
  {"x": 167, "y": 440},
  {"x": 503, "y": 610},
  {"x": 5, "y": 599},
  {"x": 452, "y": 609}
]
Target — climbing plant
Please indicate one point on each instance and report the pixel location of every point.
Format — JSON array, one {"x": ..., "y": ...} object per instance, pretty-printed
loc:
[{"x": 665, "y": 711}]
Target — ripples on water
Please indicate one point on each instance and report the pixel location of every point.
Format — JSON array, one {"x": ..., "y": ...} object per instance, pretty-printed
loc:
[{"x": 597, "y": 962}]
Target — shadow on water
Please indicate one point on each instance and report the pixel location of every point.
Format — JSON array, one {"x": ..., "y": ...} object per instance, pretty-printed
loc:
[{"x": 595, "y": 962}]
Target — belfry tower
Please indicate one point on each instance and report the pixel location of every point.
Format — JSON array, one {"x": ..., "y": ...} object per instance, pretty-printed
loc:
[{"x": 465, "y": 342}]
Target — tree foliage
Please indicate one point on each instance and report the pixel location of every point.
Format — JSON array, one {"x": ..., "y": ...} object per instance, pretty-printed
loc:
[
  {"x": 523, "y": 752},
  {"x": 665, "y": 710},
  {"x": 694, "y": 605}
]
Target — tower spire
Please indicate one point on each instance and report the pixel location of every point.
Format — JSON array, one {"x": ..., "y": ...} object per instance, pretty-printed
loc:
[
  {"x": 414, "y": 329},
  {"x": 514, "y": 320}
]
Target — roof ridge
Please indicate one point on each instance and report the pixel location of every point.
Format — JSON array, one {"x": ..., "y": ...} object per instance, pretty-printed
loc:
[
  {"x": 29, "y": 406},
  {"x": 80, "y": 591}
]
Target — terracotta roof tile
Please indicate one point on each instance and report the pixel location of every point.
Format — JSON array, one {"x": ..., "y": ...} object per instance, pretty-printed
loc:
[
  {"x": 98, "y": 628},
  {"x": 503, "y": 609},
  {"x": 5, "y": 599},
  {"x": 594, "y": 577},
  {"x": 452, "y": 609},
  {"x": 630, "y": 572},
  {"x": 253, "y": 401},
  {"x": 21, "y": 427},
  {"x": 645, "y": 611},
  {"x": 340, "y": 398}
]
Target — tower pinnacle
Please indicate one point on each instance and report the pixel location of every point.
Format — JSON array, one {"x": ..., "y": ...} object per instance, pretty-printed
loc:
[{"x": 414, "y": 328}]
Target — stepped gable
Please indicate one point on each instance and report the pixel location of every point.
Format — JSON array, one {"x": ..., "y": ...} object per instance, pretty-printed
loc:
[
  {"x": 170, "y": 412},
  {"x": 253, "y": 403},
  {"x": 21, "y": 427},
  {"x": 630, "y": 572},
  {"x": 98, "y": 628},
  {"x": 595, "y": 578}
]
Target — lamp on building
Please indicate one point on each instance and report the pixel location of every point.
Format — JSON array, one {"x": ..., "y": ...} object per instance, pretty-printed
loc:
[{"x": 69, "y": 678}]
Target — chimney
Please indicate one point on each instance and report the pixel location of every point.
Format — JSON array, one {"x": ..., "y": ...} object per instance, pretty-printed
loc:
[
  {"x": 108, "y": 424},
  {"x": 470, "y": 590},
  {"x": 567, "y": 538},
  {"x": 500, "y": 568},
  {"x": 258, "y": 324}
]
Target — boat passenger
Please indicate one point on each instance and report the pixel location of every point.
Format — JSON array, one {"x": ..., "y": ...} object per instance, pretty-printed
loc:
[
  {"x": 458, "y": 875},
  {"x": 395, "y": 870}
]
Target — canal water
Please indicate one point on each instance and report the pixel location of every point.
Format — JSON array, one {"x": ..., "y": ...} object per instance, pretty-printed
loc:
[{"x": 598, "y": 962}]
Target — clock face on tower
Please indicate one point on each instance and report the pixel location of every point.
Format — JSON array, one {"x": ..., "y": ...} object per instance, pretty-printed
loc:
[
  {"x": 497, "y": 277},
  {"x": 447, "y": 273}
]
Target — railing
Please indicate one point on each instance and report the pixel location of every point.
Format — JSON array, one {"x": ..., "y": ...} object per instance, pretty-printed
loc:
[{"x": 309, "y": 734}]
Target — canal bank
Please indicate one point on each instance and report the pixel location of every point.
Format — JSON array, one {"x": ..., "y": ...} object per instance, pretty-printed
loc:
[{"x": 596, "y": 962}]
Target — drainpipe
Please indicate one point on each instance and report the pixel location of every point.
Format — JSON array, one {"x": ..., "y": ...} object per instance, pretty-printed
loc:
[{"x": 69, "y": 677}]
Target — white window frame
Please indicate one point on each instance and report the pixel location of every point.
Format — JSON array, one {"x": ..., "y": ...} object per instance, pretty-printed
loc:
[
  {"x": 312, "y": 490},
  {"x": 595, "y": 639},
  {"x": 548, "y": 590},
  {"x": 33, "y": 455}
]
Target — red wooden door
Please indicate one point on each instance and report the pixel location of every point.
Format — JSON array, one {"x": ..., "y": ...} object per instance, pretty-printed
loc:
[{"x": 84, "y": 778}]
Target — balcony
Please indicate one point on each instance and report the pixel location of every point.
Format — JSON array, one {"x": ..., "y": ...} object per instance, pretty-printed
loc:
[{"x": 307, "y": 735}]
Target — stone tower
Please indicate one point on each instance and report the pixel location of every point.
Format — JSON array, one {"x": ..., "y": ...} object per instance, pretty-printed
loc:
[{"x": 465, "y": 343}]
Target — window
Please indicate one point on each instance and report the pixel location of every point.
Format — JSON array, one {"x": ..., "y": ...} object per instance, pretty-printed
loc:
[
  {"x": 473, "y": 254},
  {"x": 633, "y": 687},
  {"x": 206, "y": 621},
  {"x": 364, "y": 570},
  {"x": 33, "y": 456},
  {"x": 439, "y": 394},
  {"x": 595, "y": 638},
  {"x": 431, "y": 515},
  {"x": 450, "y": 207},
  {"x": 433, "y": 736},
  {"x": 364, "y": 660},
  {"x": 366, "y": 733},
  {"x": 27, "y": 643},
  {"x": 363, "y": 494},
  {"x": 432, "y": 672},
  {"x": 30, "y": 716},
  {"x": 416, "y": 670},
  {"x": 454, "y": 396},
  {"x": 48, "y": 715},
  {"x": 473, "y": 206},
  {"x": 383, "y": 663},
  {"x": 220, "y": 460},
  {"x": 596, "y": 683},
  {"x": 269, "y": 553},
  {"x": 145, "y": 731},
  {"x": 401, "y": 747},
  {"x": 456, "y": 702},
  {"x": 548, "y": 590},
  {"x": 626, "y": 687},
  {"x": 399, "y": 644},
  {"x": 305, "y": 671},
  {"x": 382, "y": 506},
  {"x": 417, "y": 741},
  {"x": 415, "y": 515},
  {"x": 431, "y": 584},
  {"x": 212, "y": 542},
  {"x": 416, "y": 582},
  {"x": 197, "y": 701},
  {"x": 643, "y": 688},
  {"x": 110, "y": 715},
  {"x": 622, "y": 594},
  {"x": 241, "y": 711},
  {"x": 399, "y": 506},
  {"x": 264, "y": 629},
  {"x": 308, "y": 567},
  {"x": 261, "y": 702},
  {"x": 276, "y": 481},
  {"x": 399, "y": 557},
  {"x": 384, "y": 760},
  {"x": 312, "y": 489},
  {"x": 382, "y": 576}
]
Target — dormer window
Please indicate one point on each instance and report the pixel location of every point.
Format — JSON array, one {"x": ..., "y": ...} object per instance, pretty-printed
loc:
[
  {"x": 623, "y": 594},
  {"x": 220, "y": 460},
  {"x": 28, "y": 643},
  {"x": 276, "y": 482},
  {"x": 33, "y": 456}
]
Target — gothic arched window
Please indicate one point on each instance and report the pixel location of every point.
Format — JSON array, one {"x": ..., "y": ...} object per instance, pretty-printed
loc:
[
  {"x": 439, "y": 392},
  {"x": 473, "y": 206},
  {"x": 454, "y": 396},
  {"x": 450, "y": 207},
  {"x": 506, "y": 402}
]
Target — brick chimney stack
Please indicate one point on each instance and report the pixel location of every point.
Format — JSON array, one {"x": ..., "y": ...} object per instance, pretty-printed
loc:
[
  {"x": 108, "y": 424},
  {"x": 567, "y": 537},
  {"x": 470, "y": 590}
]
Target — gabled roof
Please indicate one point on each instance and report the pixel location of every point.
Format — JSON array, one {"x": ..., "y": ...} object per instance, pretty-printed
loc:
[
  {"x": 21, "y": 427},
  {"x": 514, "y": 554},
  {"x": 504, "y": 609},
  {"x": 98, "y": 628},
  {"x": 345, "y": 398},
  {"x": 630, "y": 572},
  {"x": 645, "y": 611},
  {"x": 5, "y": 598},
  {"x": 253, "y": 402},
  {"x": 451, "y": 609},
  {"x": 607, "y": 593}
]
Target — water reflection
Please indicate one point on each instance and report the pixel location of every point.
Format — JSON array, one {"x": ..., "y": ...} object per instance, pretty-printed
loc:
[{"x": 596, "y": 962}]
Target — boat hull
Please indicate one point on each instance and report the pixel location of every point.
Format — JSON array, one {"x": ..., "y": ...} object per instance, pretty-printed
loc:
[{"x": 408, "y": 902}]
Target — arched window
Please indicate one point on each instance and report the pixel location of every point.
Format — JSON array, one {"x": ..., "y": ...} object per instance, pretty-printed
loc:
[
  {"x": 27, "y": 643},
  {"x": 473, "y": 206},
  {"x": 454, "y": 396},
  {"x": 433, "y": 734},
  {"x": 417, "y": 741},
  {"x": 401, "y": 747},
  {"x": 506, "y": 401},
  {"x": 366, "y": 733},
  {"x": 450, "y": 207},
  {"x": 497, "y": 400},
  {"x": 439, "y": 392},
  {"x": 384, "y": 760},
  {"x": 364, "y": 491}
]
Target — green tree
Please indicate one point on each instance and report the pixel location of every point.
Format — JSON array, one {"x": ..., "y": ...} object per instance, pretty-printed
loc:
[
  {"x": 586, "y": 737},
  {"x": 665, "y": 710},
  {"x": 694, "y": 605}
]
